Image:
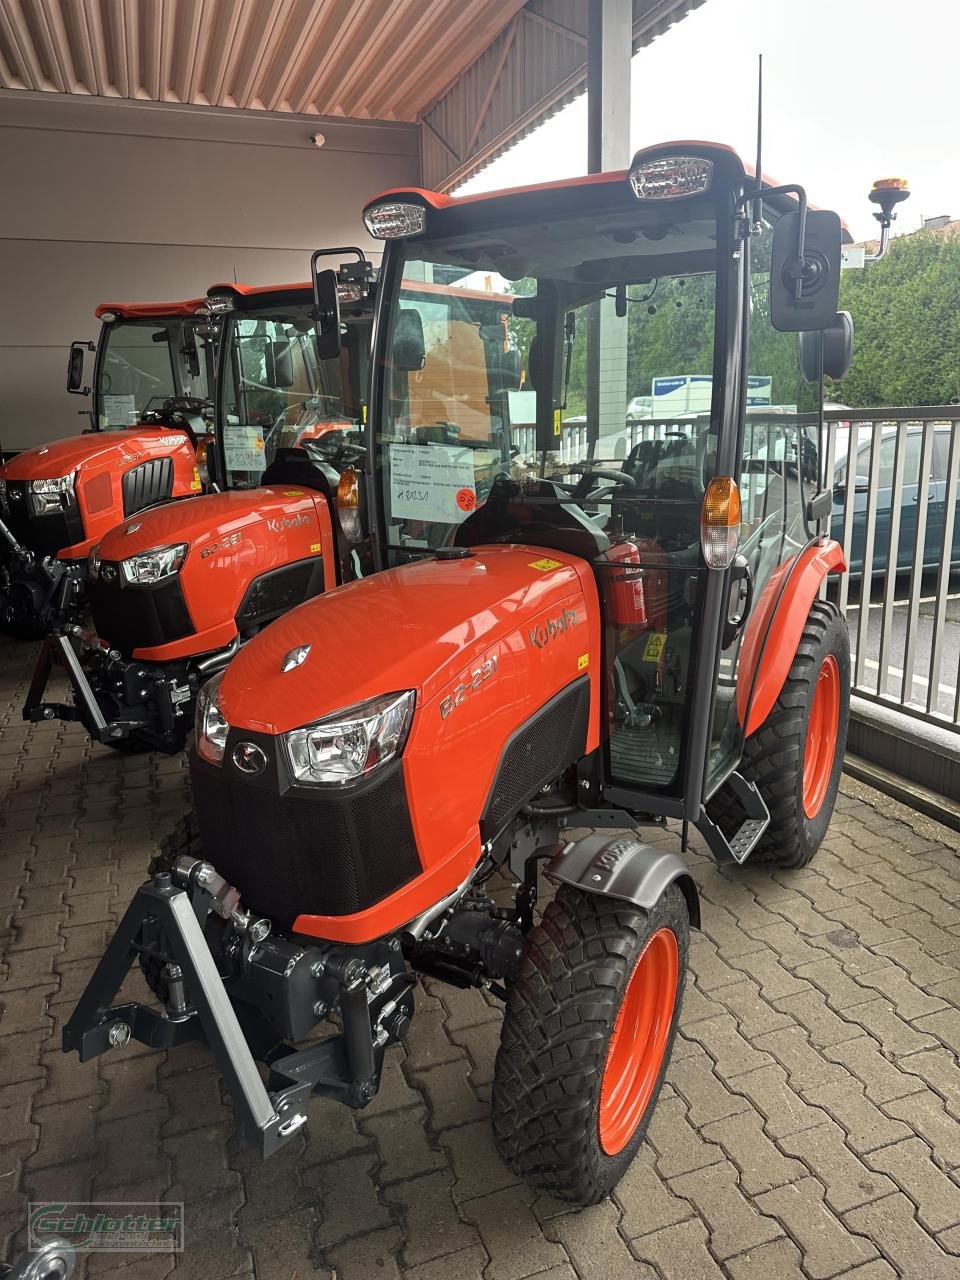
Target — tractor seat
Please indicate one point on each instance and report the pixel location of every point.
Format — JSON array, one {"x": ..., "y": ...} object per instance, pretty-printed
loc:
[{"x": 295, "y": 466}]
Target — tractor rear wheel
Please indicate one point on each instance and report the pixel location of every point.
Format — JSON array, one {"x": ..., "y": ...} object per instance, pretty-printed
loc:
[
  {"x": 796, "y": 755},
  {"x": 586, "y": 1039}
]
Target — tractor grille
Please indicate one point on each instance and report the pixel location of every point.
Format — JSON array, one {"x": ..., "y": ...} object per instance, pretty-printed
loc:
[
  {"x": 275, "y": 592},
  {"x": 316, "y": 853},
  {"x": 131, "y": 618},
  {"x": 147, "y": 484},
  {"x": 43, "y": 535},
  {"x": 551, "y": 740}
]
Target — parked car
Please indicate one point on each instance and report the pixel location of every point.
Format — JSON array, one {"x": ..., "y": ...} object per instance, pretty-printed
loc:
[
  {"x": 640, "y": 407},
  {"x": 909, "y": 503}
]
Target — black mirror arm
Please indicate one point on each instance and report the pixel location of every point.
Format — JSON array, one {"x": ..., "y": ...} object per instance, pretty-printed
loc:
[{"x": 800, "y": 268}]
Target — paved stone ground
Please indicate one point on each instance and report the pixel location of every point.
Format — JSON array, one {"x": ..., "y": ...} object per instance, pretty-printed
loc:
[{"x": 809, "y": 1127}]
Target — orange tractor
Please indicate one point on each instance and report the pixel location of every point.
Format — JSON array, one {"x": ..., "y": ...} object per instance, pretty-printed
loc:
[
  {"x": 549, "y": 642},
  {"x": 150, "y": 418}
]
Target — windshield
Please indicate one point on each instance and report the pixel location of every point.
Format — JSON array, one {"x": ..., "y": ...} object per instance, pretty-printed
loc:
[
  {"x": 278, "y": 394},
  {"x": 460, "y": 395},
  {"x": 145, "y": 362}
]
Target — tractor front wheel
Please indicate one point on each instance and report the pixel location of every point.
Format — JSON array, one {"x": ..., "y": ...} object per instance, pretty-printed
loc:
[
  {"x": 586, "y": 1039},
  {"x": 796, "y": 755}
]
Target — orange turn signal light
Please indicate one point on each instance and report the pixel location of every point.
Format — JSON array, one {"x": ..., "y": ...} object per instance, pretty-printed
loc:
[
  {"x": 890, "y": 184},
  {"x": 720, "y": 522},
  {"x": 348, "y": 503}
]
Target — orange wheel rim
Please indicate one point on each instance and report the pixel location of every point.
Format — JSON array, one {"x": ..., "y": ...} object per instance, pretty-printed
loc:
[
  {"x": 821, "y": 749},
  {"x": 639, "y": 1041}
]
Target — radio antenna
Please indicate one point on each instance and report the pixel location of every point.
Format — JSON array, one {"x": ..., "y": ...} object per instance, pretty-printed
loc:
[{"x": 758, "y": 203}]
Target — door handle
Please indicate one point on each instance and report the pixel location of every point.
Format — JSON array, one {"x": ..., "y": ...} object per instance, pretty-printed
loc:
[{"x": 739, "y": 600}]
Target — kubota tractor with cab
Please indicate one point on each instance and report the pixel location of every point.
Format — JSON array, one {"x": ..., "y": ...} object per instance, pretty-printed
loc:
[
  {"x": 150, "y": 416},
  {"x": 177, "y": 590},
  {"x": 549, "y": 643}
]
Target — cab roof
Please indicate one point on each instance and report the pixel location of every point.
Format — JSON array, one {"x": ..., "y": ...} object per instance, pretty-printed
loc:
[
  {"x": 725, "y": 158},
  {"x": 149, "y": 310}
]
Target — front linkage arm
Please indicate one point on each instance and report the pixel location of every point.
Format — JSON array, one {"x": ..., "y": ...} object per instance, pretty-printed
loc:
[{"x": 166, "y": 920}]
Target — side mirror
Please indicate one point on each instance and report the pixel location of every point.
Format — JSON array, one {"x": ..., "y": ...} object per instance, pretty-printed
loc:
[
  {"x": 326, "y": 301},
  {"x": 805, "y": 277},
  {"x": 828, "y": 351},
  {"x": 409, "y": 347},
  {"x": 279, "y": 358},
  {"x": 75, "y": 365}
]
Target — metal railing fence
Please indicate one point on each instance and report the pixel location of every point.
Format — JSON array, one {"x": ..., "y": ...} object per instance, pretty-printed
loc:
[{"x": 896, "y": 517}]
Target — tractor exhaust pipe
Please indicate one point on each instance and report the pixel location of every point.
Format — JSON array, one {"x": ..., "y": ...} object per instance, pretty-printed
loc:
[{"x": 217, "y": 661}]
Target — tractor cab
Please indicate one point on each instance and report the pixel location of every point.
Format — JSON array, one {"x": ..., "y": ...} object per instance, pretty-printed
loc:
[
  {"x": 284, "y": 409},
  {"x": 677, "y": 280},
  {"x": 155, "y": 364}
]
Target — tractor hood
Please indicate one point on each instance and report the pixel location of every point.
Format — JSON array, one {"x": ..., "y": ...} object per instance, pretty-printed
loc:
[
  {"x": 64, "y": 457},
  {"x": 198, "y": 520},
  {"x": 419, "y": 626}
]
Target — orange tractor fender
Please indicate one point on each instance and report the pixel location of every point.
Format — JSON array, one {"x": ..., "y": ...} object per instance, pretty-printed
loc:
[{"x": 775, "y": 625}]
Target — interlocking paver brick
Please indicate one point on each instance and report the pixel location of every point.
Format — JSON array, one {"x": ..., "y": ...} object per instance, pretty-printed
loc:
[
  {"x": 805, "y": 1067},
  {"x": 783, "y": 1109},
  {"x": 754, "y": 1016},
  {"x": 511, "y": 1235},
  {"x": 780, "y": 1260},
  {"x": 880, "y": 1019},
  {"x": 938, "y": 1070},
  {"x": 431, "y": 1225},
  {"x": 926, "y": 1115},
  {"x": 679, "y": 1252},
  {"x": 646, "y": 1202},
  {"x": 731, "y": 1052},
  {"x": 848, "y": 1181},
  {"x": 705, "y": 1094},
  {"x": 823, "y": 1026},
  {"x": 680, "y": 1148},
  {"x": 283, "y": 1247},
  {"x": 596, "y": 1249},
  {"x": 468, "y": 1264},
  {"x": 827, "y": 1246},
  {"x": 866, "y": 1126},
  {"x": 881, "y": 1078},
  {"x": 476, "y": 1163},
  {"x": 914, "y": 1254},
  {"x": 944, "y": 1025},
  {"x": 913, "y": 1169},
  {"x": 732, "y": 1220},
  {"x": 402, "y": 1143},
  {"x": 757, "y": 1159},
  {"x": 350, "y": 1202}
]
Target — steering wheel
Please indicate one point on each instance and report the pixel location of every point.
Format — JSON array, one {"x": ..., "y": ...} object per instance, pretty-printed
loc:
[
  {"x": 343, "y": 453},
  {"x": 180, "y": 407}
]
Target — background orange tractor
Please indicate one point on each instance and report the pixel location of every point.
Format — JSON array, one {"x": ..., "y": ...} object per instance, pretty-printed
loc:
[{"x": 150, "y": 415}]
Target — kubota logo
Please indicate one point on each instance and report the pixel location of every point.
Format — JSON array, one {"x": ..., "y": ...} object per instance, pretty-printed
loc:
[
  {"x": 279, "y": 523},
  {"x": 541, "y": 635}
]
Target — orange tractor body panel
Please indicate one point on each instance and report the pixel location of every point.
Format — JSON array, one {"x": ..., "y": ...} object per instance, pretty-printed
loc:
[
  {"x": 233, "y": 538},
  {"x": 100, "y": 462},
  {"x": 483, "y": 641},
  {"x": 775, "y": 625}
]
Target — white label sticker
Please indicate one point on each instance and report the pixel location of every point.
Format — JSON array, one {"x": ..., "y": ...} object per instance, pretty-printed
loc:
[
  {"x": 243, "y": 448},
  {"x": 432, "y": 482},
  {"x": 120, "y": 411}
]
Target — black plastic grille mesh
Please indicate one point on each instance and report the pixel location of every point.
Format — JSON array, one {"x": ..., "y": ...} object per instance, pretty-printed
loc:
[
  {"x": 146, "y": 484},
  {"x": 550, "y": 741},
  {"x": 320, "y": 854}
]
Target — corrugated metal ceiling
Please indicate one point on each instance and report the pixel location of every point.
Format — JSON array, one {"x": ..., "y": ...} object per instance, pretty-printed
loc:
[
  {"x": 368, "y": 59},
  {"x": 476, "y": 74}
]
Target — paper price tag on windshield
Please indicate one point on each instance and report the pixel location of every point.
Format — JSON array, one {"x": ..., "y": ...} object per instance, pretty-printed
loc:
[
  {"x": 243, "y": 448},
  {"x": 120, "y": 411},
  {"x": 432, "y": 482}
]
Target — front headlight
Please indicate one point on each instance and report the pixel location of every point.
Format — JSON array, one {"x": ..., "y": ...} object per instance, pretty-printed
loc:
[
  {"x": 153, "y": 565},
  {"x": 352, "y": 743},
  {"x": 212, "y": 728},
  {"x": 51, "y": 497},
  {"x": 93, "y": 562}
]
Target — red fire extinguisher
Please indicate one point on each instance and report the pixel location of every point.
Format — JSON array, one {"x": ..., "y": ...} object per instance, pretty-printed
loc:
[{"x": 629, "y": 604}]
